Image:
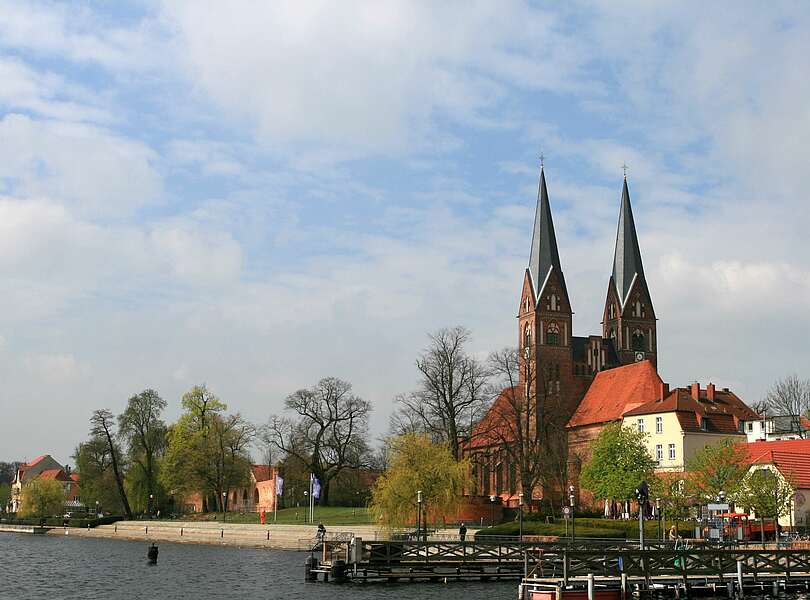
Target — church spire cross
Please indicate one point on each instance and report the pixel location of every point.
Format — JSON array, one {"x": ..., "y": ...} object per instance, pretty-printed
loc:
[
  {"x": 624, "y": 168},
  {"x": 542, "y": 160}
]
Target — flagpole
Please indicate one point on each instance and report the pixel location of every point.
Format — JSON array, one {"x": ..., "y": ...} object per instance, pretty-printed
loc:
[
  {"x": 310, "y": 497},
  {"x": 275, "y": 500}
]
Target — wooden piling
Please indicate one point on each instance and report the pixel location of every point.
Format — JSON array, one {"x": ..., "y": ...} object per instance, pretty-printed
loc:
[
  {"x": 590, "y": 587},
  {"x": 740, "y": 579}
]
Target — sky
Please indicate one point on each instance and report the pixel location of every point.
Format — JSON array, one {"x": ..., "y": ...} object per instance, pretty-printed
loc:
[{"x": 257, "y": 195}]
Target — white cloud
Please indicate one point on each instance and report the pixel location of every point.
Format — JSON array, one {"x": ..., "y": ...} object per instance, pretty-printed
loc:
[
  {"x": 97, "y": 172},
  {"x": 55, "y": 368}
]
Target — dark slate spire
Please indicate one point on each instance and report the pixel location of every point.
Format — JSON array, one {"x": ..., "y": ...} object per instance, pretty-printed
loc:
[
  {"x": 627, "y": 257},
  {"x": 544, "y": 255}
]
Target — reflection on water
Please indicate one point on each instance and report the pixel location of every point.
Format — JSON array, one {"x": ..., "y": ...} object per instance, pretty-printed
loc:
[{"x": 64, "y": 567}]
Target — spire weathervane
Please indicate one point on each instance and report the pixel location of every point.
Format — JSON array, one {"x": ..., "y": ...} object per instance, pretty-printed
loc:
[
  {"x": 624, "y": 168},
  {"x": 542, "y": 159}
]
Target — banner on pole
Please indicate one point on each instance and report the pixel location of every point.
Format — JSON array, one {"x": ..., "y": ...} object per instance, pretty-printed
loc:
[
  {"x": 279, "y": 485},
  {"x": 316, "y": 486}
]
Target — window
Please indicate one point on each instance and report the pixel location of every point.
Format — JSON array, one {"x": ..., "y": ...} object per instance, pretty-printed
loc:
[
  {"x": 659, "y": 452},
  {"x": 637, "y": 340},
  {"x": 637, "y": 309},
  {"x": 552, "y": 302},
  {"x": 611, "y": 311},
  {"x": 659, "y": 424},
  {"x": 672, "y": 452},
  {"x": 553, "y": 335},
  {"x": 526, "y": 304},
  {"x": 750, "y": 427},
  {"x": 704, "y": 424},
  {"x": 527, "y": 336},
  {"x": 640, "y": 425}
]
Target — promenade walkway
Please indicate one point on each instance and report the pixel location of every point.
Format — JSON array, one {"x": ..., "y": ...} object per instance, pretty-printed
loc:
[{"x": 282, "y": 537}]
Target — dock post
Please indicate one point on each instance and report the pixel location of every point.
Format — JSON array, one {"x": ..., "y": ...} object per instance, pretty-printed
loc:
[
  {"x": 624, "y": 586},
  {"x": 590, "y": 586},
  {"x": 740, "y": 578},
  {"x": 558, "y": 593},
  {"x": 730, "y": 588},
  {"x": 775, "y": 588},
  {"x": 565, "y": 567}
]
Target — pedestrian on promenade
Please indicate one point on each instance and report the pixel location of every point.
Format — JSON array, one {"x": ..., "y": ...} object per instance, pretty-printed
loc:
[
  {"x": 321, "y": 532},
  {"x": 673, "y": 534},
  {"x": 462, "y": 532}
]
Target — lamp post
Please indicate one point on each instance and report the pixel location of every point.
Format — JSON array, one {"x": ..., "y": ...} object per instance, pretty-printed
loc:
[
  {"x": 224, "y": 499},
  {"x": 492, "y": 510},
  {"x": 419, "y": 514},
  {"x": 520, "y": 514},
  {"x": 573, "y": 519},
  {"x": 149, "y": 508},
  {"x": 658, "y": 517},
  {"x": 306, "y": 501},
  {"x": 96, "y": 509},
  {"x": 722, "y": 497}
]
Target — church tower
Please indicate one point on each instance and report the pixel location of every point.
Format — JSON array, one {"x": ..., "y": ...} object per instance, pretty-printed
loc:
[
  {"x": 544, "y": 321},
  {"x": 629, "y": 319}
]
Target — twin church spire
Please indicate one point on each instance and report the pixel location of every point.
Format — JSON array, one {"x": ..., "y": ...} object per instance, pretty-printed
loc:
[{"x": 629, "y": 320}]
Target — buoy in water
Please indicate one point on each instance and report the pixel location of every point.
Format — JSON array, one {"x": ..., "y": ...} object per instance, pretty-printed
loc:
[{"x": 152, "y": 554}]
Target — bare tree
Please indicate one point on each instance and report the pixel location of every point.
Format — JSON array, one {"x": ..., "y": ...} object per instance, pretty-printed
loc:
[
  {"x": 328, "y": 432},
  {"x": 452, "y": 395},
  {"x": 761, "y": 407},
  {"x": 102, "y": 425},
  {"x": 790, "y": 396}
]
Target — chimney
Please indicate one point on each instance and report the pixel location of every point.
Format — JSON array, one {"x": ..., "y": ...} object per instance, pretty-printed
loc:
[
  {"x": 664, "y": 390},
  {"x": 710, "y": 392},
  {"x": 696, "y": 391}
]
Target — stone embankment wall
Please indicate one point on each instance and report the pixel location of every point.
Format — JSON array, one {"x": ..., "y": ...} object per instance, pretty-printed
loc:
[{"x": 281, "y": 537}]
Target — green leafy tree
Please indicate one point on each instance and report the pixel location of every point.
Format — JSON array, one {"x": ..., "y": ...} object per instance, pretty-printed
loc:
[
  {"x": 42, "y": 498},
  {"x": 5, "y": 496},
  {"x": 672, "y": 490},
  {"x": 767, "y": 493},
  {"x": 208, "y": 451},
  {"x": 715, "y": 469},
  {"x": 619, "y": 462},
  {"x": 418, "y": 464},
  {"x": 144, "y": 432}
]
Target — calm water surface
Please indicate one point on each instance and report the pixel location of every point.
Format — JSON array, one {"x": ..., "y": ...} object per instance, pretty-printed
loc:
[{"x": 49, "y": 567}]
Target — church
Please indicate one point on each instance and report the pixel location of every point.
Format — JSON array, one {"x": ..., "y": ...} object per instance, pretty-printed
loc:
[{"x": 533, "y": 440}]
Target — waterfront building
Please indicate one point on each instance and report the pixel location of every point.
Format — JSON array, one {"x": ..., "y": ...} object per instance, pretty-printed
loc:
[
  {"x": 788, "y": 460},
  {"x": 258, "y": 495},
  {"x": 45, "y": 467}
]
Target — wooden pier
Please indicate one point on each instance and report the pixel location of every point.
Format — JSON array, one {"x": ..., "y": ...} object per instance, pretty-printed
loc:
[{"x": 559, "y": 570}]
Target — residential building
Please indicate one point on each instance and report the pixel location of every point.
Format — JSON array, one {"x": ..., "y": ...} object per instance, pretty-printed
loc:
[
  {"x": 685, "y": 420},
  {"x": 44, "y": 467},
  {"x": 779, "y": 427},
  {"x": 789, "y": 460}
]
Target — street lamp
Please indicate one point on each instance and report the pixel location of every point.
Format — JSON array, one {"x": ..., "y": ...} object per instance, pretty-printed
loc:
[
  {"x": 306, "y": 502},
  {"x": 571, "y": 505},
  {"x": 419, "y": 514},
  {"x": 224, "y": 499},
  {"x": 96, "y": 509},
  {"x": 520, "y": 513},
  {"x": 149, "y": 508},
  {"x": 492, "y": 510}
]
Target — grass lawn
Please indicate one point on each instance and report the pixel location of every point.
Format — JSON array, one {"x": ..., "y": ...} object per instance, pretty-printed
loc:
[{"x": 328, "y": 515}]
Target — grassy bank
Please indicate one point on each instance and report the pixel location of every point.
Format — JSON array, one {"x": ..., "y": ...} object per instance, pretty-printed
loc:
[
  {"x": 585, "y": 527},
  {"x": 328, "y": 515}
]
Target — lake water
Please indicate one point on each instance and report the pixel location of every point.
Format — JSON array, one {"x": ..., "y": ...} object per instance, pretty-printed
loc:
[{"x": 34, "y": 567}]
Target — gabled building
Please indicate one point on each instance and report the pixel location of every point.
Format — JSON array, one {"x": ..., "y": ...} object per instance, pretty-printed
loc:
[
  {"x": 686, "y": 420},
  {"x": 44, "y": 467},
  {"x": 787, "y": 459},
  {"x": 777, "y": 427}
]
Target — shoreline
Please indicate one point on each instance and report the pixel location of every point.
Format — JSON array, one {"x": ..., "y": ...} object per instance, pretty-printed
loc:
[{"x": 275, "y": 537}]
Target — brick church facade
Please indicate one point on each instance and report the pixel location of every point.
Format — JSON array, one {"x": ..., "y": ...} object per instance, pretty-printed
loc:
[{"x": 557, "y": 368}]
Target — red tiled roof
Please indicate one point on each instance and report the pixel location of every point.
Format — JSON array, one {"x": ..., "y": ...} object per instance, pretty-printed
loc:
[
  {"x": 494, "y": 427},
  {"x": 615, "y": 391},
  {"x": 262, "y": 472},
  {"x": 722, "y": 414},
  {"x": 791, "y": 457},
  {"x": 57, "y": 474},
  {"x": 31, "y": 463}
]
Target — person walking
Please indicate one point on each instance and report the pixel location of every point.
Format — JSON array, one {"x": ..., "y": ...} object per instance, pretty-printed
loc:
[
  {"x": 462, "y": 532},
  {"x": 673, "y": 534},
  {"x": 321, "y": 532}
]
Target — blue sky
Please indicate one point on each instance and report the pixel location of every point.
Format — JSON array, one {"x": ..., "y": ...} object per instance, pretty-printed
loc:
[{"x": 255, "y": 195}]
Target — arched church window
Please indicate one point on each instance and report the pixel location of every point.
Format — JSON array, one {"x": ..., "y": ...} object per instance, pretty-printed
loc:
[
  {"x": 552, "y": 302},
  {"x": 637, "y": 340},
  {"x": 637, "y": 309},
  {"x": 526, "y": 304},
  {"x": 527, "y": 336},
  {"x": 611, "y": 311},
  {"x": 612, "y": 334},
  {"x": 553, "y": 335}
]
